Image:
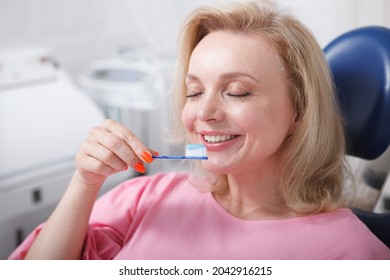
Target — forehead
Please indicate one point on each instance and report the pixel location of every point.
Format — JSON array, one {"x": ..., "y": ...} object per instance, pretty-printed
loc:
[{"x": 225, "y": 51}]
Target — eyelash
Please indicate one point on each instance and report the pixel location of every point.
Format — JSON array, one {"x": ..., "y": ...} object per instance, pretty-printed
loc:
[
  {"x": 194, "y": 95},
  {"x": 245, "y": 94},
  {"x": 241, "y": 95}
]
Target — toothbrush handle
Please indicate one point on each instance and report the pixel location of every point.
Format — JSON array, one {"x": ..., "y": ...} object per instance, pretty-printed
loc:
[
  {"x": 169, "y": 157},
  {"x": 181, "y": 157}
]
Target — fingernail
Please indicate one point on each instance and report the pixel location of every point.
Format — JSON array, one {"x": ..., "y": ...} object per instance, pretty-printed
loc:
[
  {"x": 139, "y": 167},
  {"x": 146, "y": 156}
]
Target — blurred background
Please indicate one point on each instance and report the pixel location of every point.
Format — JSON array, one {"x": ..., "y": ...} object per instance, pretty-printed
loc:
[{"x": 66, "y": 65}]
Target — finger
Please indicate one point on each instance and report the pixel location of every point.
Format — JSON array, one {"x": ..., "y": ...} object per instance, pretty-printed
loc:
[
  {"x": 86, "y": 163},
  {"x": 103, "y": 135},
  {"x": 154, "y": 152},
  {"x": 118, "y": 147},
  {"x": 136, "y": 145},
  {"x": 105, "y": 155}
]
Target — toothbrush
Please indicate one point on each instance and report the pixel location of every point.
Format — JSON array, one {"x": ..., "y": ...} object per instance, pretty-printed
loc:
[{"x": 193, "y": 151}]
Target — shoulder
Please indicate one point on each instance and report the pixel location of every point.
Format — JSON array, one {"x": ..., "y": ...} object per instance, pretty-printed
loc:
[{"x": 347, "y": 237}]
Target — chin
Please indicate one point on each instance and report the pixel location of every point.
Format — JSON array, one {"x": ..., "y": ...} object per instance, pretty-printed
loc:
[{"x": 218, "y": 169}]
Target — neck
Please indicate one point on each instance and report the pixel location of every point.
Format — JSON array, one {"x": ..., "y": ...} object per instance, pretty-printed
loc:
[{"x": 254, "y": 196}]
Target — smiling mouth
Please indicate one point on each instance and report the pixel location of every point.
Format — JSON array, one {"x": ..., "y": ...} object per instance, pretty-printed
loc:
[{"x": 215, "y": 139}]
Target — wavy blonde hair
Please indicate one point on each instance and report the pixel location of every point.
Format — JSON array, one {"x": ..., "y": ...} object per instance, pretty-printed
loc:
[{"x": 313, "y": 172}]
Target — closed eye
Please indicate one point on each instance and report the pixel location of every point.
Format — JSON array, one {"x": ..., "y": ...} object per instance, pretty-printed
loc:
[
  {"x": 244, "y": 94},
  {"x": 193, "y": 95}
]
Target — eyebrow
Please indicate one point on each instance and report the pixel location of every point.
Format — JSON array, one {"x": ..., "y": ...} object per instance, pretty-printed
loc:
[{"x": 226, "y": 76}]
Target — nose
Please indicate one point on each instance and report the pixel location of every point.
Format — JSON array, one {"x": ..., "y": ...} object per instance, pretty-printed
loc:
[{"x": 211, "y": 109}]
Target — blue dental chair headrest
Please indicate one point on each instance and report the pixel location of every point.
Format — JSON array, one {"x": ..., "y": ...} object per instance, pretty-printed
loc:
[{"x": 360, "y": 63}]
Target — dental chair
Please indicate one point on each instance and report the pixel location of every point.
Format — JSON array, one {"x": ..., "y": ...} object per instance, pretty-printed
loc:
[{"x": 360, "y": 64}]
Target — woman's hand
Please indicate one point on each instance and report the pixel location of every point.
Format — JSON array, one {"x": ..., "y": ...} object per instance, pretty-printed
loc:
[{"x": 110, "y": 148}]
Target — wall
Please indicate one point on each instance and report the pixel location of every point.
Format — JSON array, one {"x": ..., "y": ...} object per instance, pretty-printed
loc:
[
  {"x": 80, "y": 31},
  {"x": 328, "y": 19}
]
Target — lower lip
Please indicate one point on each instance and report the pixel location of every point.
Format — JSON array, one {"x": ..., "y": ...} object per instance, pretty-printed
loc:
[{"x": 221, "y": 145}]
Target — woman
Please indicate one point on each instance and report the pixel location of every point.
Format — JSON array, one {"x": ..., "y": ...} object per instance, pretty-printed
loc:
[{"x": 253, "y": 86}]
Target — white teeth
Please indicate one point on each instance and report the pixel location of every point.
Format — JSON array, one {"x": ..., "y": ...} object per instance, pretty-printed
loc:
[{"x": 218, "y": 138}]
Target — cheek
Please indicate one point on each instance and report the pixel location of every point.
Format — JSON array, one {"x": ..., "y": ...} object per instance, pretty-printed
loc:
[
  {"x": 187, "y": 118},
  {"x": 247, "y": 118},
  {"x": 265, "y": 125}
]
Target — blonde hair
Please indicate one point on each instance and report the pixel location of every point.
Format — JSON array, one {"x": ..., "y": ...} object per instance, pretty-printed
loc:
[{"x": 313, "y": 172}]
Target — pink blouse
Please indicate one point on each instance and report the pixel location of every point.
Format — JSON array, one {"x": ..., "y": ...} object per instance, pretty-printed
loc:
[{"x": 165, "y": 217}]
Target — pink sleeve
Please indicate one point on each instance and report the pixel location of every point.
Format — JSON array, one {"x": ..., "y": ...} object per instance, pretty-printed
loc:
[
  {"x": 110, "y": 221},
  {"x": 21, "y": 252},
  {"x": 117, "y": 215}
]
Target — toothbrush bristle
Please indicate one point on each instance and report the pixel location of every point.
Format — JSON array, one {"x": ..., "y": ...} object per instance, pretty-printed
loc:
[
  {"x": 193, "y": 151},
  {"x": 196, "y": 150}
]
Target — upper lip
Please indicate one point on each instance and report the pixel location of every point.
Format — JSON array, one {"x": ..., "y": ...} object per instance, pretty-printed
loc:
[{"x": 215, "y": 133}]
